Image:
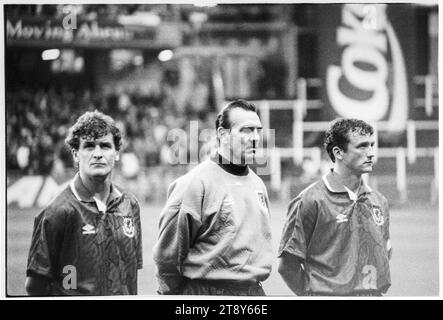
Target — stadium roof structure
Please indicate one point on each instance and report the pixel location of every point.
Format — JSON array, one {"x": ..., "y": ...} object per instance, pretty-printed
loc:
[{"x": 211, "y": 51}]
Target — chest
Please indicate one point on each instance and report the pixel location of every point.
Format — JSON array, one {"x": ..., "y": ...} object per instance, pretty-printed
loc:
[
  {"x": 244, "y": 202},
  {"x": 116, "y": 226},
  {"x": 342, "y": 213}
]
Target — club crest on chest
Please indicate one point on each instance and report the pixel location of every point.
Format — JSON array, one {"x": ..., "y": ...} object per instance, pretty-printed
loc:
[
  {"x": 377, "y": 215},
  {"x": 261, "y": 199},
  {"x": 128, "y": 227}
]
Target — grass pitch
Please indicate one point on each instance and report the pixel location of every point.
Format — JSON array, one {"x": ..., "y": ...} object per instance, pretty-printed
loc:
[{"x": 414, "y": 265}]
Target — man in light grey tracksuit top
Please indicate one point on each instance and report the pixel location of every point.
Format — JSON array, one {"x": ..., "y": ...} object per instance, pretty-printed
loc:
[{"x": 215, "y": 235}]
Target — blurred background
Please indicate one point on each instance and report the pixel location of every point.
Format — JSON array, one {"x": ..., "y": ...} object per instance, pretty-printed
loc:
[{"x": 162, "y": 67}]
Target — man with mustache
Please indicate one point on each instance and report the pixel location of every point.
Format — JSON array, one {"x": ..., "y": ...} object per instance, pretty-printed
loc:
[
  {"x": 87, "y": 241},
  {"x": 336, "y": 237},
  {"x": 215, "y": 236}
]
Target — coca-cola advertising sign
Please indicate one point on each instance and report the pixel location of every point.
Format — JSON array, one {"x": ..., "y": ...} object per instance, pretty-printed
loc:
[{"x": 363, "y": 65}]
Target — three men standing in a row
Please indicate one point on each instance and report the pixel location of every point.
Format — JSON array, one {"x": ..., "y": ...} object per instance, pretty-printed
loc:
[{"x": 215, "y": 230}]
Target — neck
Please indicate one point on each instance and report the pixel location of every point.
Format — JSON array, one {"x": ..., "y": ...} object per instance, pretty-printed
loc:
[
  {"x": 99, "y": 187},
  {"x": 225, "y": 164},
  {"x": 348, "y": 179},
  {"x": 226, "y": 154}
]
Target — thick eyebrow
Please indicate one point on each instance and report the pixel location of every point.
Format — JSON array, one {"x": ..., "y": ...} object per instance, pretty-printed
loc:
[
  {"x": 365, "y": 144},
  {"x": 251, "y": 127},
  {"x": 106, "y": 144},
  {"x": 88, "y": 144}
]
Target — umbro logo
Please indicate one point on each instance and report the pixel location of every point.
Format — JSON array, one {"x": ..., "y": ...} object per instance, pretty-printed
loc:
[
  {"x": 88, "y": 229},
  {"x": 341, "y": 218}
]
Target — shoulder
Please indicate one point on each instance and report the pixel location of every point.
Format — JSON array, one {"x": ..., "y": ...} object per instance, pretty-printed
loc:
[
  {"x": 59, "y": 208},
  {"x": 204, "y": 172},
  {"x": 131, "y": 199},
  {"x": 308, "y": 197},
  {"x": 255, "y": 176},
  {"x": 312, "y": 193},
  {"x": 257, "y": 180},
  {"x": 380, "y": 198},
  {"x": 198, "y": 177},
  {"x": 128, "y": 199},
  {"x": 129, "y": 196}
]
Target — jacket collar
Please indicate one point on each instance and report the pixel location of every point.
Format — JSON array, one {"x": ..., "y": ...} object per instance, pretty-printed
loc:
[
  {"x": 81, "y": 193},
  {"x": 237, "y": 170},
  {"x": 334, "y": 185}
]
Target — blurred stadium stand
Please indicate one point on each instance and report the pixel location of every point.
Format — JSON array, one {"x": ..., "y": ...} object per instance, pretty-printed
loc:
[{"x": 268, "y": 53}]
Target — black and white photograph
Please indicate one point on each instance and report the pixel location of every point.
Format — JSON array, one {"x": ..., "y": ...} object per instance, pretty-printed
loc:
[{"x": 198, "y": 150}]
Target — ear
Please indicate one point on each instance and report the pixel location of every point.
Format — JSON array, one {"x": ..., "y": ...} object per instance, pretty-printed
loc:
[
  {"x": 75, "y": 155},
  {"x": 338, "y": 153},
  {"x": 221, "y": 134},
  {"x": 117, "y": 155}
]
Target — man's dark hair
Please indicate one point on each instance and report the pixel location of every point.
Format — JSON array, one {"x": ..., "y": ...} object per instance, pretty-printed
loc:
[
  {"x": 338, "y": 134},
  {"x": 90, "y": 126},
  {"x": 223, "y": 120}
]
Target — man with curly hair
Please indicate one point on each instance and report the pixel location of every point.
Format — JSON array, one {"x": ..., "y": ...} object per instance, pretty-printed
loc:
[
  {"x": 87, "y": 241},
  {"x": 336, "y": 237}
]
